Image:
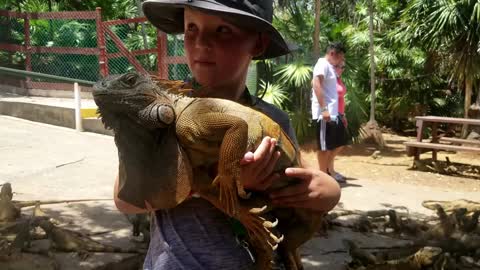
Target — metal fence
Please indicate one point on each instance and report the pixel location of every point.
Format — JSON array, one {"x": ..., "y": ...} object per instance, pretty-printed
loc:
[{"x": 80, "y": 45}]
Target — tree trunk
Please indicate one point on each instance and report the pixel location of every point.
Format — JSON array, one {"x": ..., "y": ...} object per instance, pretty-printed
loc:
[
  {"x": 316, "y": 32},
  {"x": 468, "y": 102},
  {"x": 372, "y": 63},
  {"x": 474, "y": 112},
  {"x": 371, "y": 131}
]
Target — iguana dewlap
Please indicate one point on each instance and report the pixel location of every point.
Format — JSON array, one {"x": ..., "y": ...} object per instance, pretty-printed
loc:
[{"x": 168, "y": 142}]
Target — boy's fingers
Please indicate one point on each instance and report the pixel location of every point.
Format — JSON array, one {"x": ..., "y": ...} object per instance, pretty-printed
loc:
[
  {"x": 267, "y": 182},
  {"x": 263, "y": 149},
  {"x": 301, "y": 173},
  {"x": 291, "y": 191},
  {"x": 265, "y": 153},
  {"x": 247, "y": 158},
  {"x": 296, "y": 201},
  {"x": 270, "y": 165}
]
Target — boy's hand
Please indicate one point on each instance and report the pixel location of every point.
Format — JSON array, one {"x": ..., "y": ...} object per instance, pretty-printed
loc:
[
  {"x": 257, "y": 167},
  {"x": 316, "y": 191}
]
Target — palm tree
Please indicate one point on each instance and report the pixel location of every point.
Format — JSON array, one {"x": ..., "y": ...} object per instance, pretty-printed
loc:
[
  {"x": 316, "y": 32},
  {"x": 451, "y": 28},
  {"x": 371, "y": 130}
]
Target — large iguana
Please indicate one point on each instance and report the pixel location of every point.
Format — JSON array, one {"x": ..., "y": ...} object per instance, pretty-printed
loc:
[{"x": 167, "y": 143}]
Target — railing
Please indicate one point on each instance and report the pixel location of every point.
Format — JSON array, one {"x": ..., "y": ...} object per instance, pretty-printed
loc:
[
  {"x": 76, "y": 88},
  {"x": 79, "y": 44},
  {"x": 24, "y": 73}
]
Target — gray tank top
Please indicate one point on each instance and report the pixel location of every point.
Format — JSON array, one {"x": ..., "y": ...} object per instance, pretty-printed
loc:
[{"x": 197, "y": 236}]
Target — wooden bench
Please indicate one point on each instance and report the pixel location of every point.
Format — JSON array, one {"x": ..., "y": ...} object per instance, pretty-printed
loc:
[
  {"x": 440, "y": 143},
  {"x": 460, "y": 141},
  {"x": 415, "y": 148}
]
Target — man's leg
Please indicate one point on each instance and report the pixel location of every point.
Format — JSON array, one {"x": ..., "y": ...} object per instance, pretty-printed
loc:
[
  {"x": 331, "y": 166},
  {"x": 323, "y": 158},
  {"x": 323, "y": 154}
]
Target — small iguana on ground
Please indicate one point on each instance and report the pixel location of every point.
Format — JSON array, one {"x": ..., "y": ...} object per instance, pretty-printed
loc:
[
  {"x": 449, "y": 206},
  {"x": 70, "y": 241},
  {"x": 359, "y": 256},
  {"x": 163, "y": 139},
  {"x": 8, "y": 211},
  {"x": 420, "y": 260},
  {"x": 140, "y": 225}
]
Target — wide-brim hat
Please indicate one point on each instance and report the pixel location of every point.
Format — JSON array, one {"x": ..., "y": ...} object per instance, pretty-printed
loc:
[{"x": 167, "y": 15}]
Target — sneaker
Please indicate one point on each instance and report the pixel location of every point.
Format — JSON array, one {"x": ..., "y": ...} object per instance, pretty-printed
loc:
[{"x": 339, "y": 178}]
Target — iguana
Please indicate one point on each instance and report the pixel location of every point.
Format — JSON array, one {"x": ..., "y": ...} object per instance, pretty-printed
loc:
[
  {"x": 8, "y": 211},
  {"x": 407, "y": 226},
  {"x": 163, "y": 139},
  {"x": 140, "y": 225},
  {"x": 359, "y": 256},
  {"x": 420, "y": 260},
  {"x": 70, "y": 241},
  {"x": 449, "y": 206}
]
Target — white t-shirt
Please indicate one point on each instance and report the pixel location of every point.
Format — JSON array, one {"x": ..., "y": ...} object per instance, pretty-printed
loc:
[{"x": 323, "y": 67}]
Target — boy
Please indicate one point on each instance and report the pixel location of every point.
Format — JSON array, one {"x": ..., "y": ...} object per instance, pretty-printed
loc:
[{"x": 221, "y": 38}]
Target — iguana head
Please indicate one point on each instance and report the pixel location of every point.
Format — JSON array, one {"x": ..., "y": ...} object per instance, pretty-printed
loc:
[
  {"x": 133, "y": 94},
  {"x": 153, "y": 169}
]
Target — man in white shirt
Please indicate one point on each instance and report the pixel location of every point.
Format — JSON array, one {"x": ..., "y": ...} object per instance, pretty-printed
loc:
[{"x": 330, "y": 128}]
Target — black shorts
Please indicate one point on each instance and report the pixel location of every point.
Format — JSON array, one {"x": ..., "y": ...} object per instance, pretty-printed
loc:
[{"x": 332, "y": 134}]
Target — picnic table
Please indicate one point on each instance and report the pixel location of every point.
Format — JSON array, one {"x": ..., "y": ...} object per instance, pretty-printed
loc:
[{"x": 439, "y": 142}]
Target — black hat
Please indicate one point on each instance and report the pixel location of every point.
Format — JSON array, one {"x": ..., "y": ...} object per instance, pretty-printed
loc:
[{"x": 167, "y": 15}]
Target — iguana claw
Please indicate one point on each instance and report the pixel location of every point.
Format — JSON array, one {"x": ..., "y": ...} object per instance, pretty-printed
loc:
[
  {"x": 269, "y": 224},
  {"x": 258, "y": 211}
]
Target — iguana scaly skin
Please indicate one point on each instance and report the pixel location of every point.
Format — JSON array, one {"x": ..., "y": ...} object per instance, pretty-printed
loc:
[{"x": 165, "y": 139}]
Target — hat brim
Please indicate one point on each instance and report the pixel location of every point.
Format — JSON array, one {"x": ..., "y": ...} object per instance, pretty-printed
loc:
[{"x": 167, "y": 15}]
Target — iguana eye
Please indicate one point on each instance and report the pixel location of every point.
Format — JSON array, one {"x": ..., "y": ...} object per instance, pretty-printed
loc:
[{"x": 130, "y": 79}]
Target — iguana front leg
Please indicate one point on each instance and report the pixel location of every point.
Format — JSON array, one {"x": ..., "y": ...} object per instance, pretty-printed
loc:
[
  {"x": 159, "y": 114},
  {"x": 203, "y": 131}
]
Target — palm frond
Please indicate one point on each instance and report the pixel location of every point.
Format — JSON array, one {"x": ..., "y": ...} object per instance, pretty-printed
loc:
[
  {"x": 274, "y": 94},
  {"x": 296, "y": 74}
]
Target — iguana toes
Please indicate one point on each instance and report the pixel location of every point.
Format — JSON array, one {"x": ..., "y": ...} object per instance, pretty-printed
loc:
[
  {"x": 162, "y": 138},
  {"x": 70, "y": 241}
]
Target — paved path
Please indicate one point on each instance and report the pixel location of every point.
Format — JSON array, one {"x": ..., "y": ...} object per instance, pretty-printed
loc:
[{"x": 48, "y": 162}]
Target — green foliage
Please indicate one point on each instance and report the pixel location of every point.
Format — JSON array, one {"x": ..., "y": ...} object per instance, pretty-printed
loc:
[
  {"x": 289, "y": 88},
  {"x": 295, "y": 74},
  {"x": 274, "y": 94},
  {"x": 450, "y": 27}
]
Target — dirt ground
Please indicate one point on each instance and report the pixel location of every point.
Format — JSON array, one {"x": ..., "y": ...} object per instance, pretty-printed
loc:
[{"x": 358, "y": 161}]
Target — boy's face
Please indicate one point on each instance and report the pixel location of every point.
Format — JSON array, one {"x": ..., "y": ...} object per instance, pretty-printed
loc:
[{"x": 218, "y": 52}]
